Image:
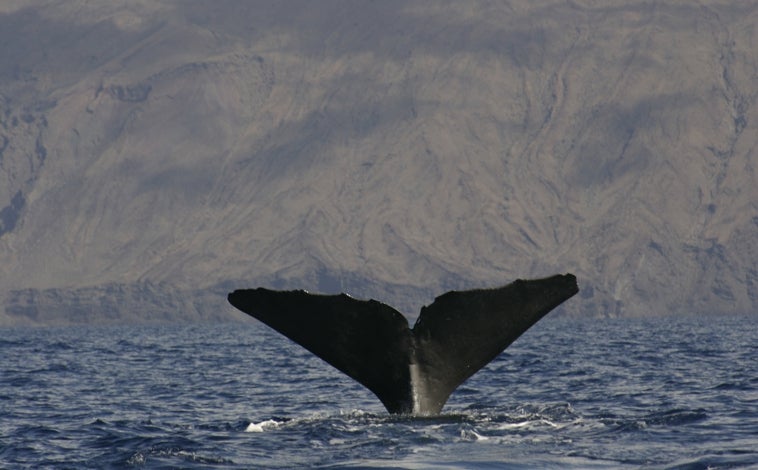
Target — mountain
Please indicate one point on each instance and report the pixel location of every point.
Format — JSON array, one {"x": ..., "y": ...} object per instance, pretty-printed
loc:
[{"x": 155, "y": 155}]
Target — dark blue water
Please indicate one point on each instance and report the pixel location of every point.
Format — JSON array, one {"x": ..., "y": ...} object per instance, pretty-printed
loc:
[{"x": 664, "y": 393}]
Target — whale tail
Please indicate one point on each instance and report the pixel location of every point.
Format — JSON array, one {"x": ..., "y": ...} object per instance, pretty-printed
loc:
[{"x": 412, "y": 371}]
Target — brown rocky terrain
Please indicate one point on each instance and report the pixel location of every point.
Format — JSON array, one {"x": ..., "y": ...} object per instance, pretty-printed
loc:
[{"x": 156, "y": 154}]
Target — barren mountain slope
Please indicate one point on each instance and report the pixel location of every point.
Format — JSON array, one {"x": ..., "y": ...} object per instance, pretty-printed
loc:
[{"x": 161, "y": 153}]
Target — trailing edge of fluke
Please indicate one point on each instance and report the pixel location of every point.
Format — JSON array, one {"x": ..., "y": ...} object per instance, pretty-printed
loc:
[{"x": 412, "y": 371}]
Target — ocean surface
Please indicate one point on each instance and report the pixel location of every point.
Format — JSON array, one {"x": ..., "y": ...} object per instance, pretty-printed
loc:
[{"x": 659, "y": 393}]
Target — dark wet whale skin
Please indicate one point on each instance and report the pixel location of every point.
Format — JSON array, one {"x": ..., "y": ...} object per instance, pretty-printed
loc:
[{"x": 412, "y": 371}]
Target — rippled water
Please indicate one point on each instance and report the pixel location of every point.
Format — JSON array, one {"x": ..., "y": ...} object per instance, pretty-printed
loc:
[{"x": 664, "y": 393}]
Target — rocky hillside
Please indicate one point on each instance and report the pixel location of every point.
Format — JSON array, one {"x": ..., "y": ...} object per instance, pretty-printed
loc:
[{"x": 155, "y": 154}]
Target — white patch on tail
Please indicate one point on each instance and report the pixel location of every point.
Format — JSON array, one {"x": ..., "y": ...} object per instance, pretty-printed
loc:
[{"x": 415, "y": 384}]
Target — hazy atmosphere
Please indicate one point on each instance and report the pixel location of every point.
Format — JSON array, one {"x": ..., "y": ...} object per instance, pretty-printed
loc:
[{"x": 155, "y": 155}]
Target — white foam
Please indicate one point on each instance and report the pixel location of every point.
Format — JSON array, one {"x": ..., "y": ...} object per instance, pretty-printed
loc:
[
  {"x": 528, "y": 423},
  {"x": 471, "y": 435},
  {"x": 262, "y": 426}
]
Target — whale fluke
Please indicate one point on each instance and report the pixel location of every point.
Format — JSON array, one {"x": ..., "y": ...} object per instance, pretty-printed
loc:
[{"x": 412, "y": 371}]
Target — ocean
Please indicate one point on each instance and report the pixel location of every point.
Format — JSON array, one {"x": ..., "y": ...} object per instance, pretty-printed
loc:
[{"x": 676, "y": 393}]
